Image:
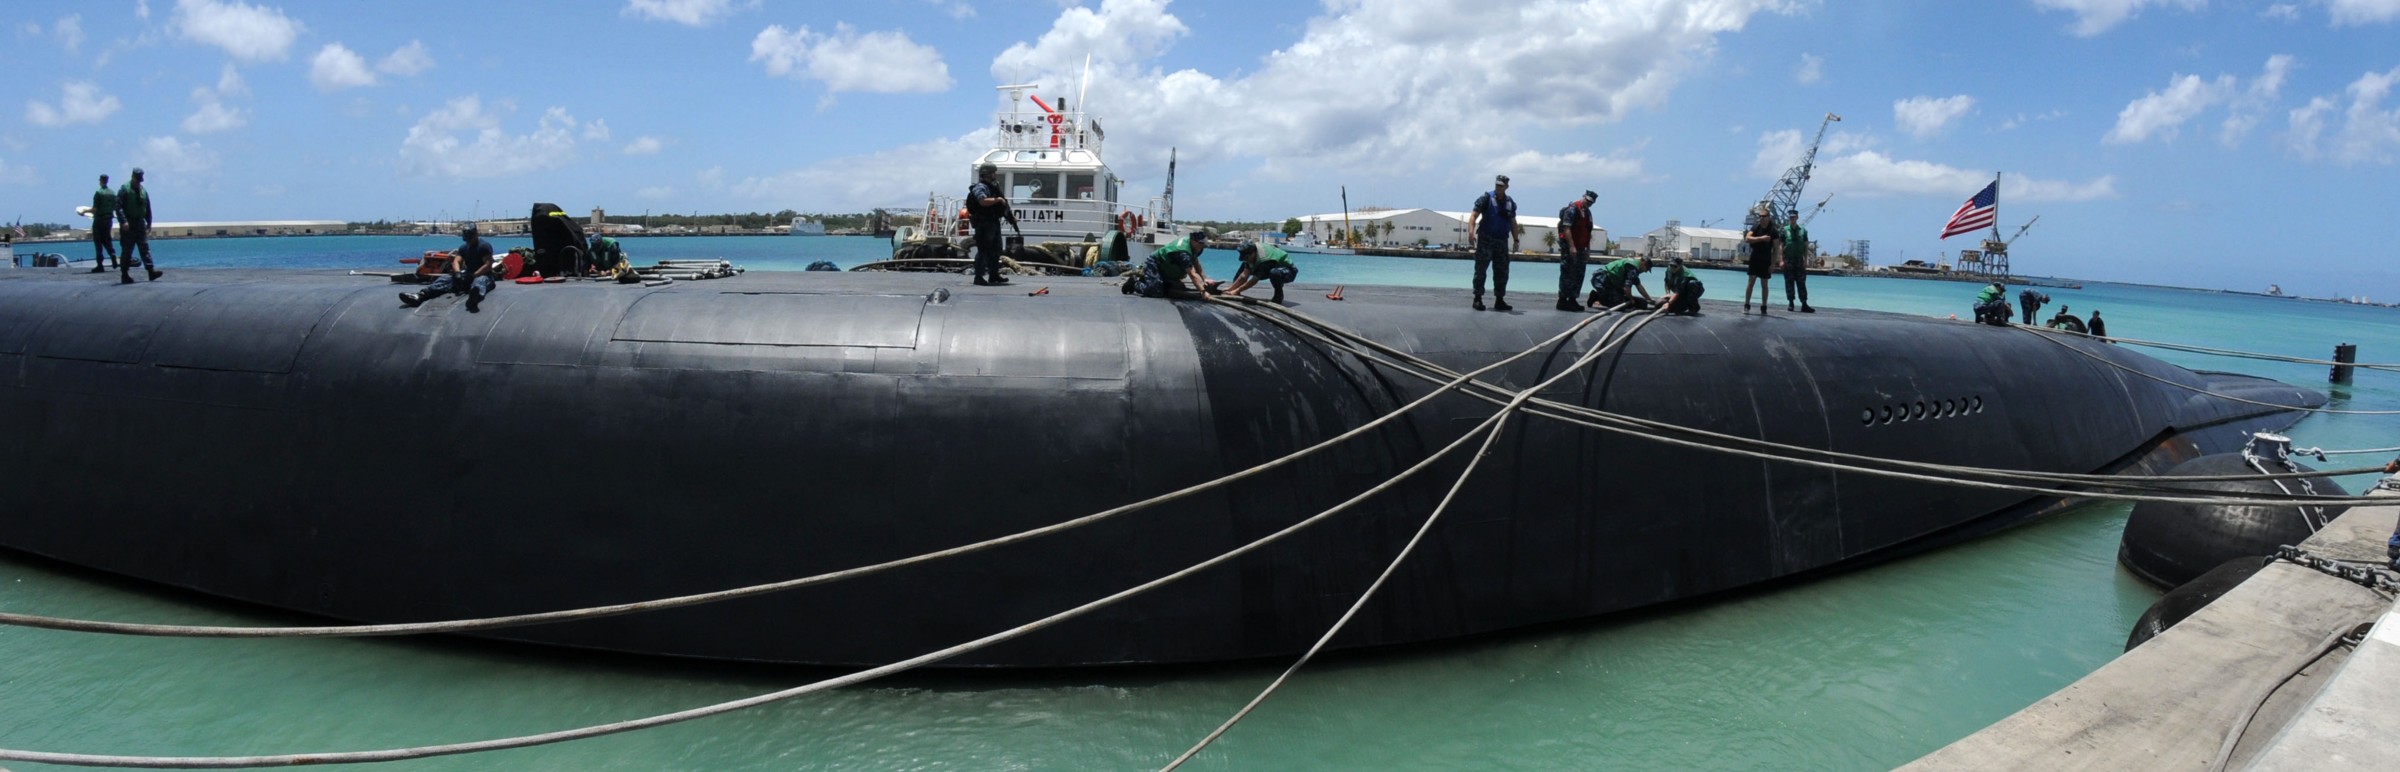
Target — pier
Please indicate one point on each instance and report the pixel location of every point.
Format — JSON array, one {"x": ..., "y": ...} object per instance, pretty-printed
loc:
[{"x": 2251, "y": 681}]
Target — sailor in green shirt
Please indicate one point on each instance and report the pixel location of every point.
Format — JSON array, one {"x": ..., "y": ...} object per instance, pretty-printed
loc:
[
  {"x": 1795, "y": 261},
  {"x": 607, "y": 257},
  {"x": 1171, "y": 264},
  {"x": 1991, "y": 305},
  {"x": 1683, "y": 289},
  {"x": 133, "y": 206},
  {"x": 1267, "y": 261},
  {"x": 104, "y": 213},
  {"x": 1610, "y": 282}
]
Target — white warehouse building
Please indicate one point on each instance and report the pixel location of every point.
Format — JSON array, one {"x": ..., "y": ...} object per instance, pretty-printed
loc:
[{"x": 1678, "y": 240}]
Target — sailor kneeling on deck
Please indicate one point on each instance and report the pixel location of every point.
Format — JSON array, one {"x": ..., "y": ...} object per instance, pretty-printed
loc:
[
  {"x": 1170, "y": 265},
  {"x": 1991, "y": 305},
  {"x": 1683, "y": 289},
  {"x": 1609, "y": 284},
  {"x": 1263, "y": 260},
  {"x": 607, "y": 258},
  {"x": 475, "y": 260}
]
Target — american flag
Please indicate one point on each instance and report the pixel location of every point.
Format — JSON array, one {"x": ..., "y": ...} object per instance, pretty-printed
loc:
[{"x": 1977, "y": 213}]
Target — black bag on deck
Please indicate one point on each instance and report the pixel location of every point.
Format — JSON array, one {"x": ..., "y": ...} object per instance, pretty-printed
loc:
[{"x": 558, "y": 243}]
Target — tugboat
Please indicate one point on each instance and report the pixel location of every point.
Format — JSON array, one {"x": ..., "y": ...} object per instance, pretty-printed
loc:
[{"x": 1069, "y": 215}]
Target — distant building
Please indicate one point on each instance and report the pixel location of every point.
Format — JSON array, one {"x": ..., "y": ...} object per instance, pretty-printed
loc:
[
  {"x": 1679, "y": 240},
  {"x": 1407, "y": 227},
  {"x": 170, "y": 230}
]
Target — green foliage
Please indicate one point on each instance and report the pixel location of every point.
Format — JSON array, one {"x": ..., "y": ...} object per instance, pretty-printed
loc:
[{"x": 1291, "y": 227}]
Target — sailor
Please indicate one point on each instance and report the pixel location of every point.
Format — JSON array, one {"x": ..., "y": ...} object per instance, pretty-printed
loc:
[
  {"x": 1991, "y": 305},
  {"x": 1263, "y": 260},
  {"x": 2066, "y": 321},
  {"x": 2097, "y": 328},
  {"x": 1683, "y": 289},
  {"x": 1761, "y": 239},
  {"x": 985, "y": 209},
  {"x": 474, "y": 260},
  {"x": 607, "y": 257},
  {"x": 2029, "y": 301},
  {"x": 1494, "y": 225},
  {"x": 1574, "y": 248},
  {"x": 1170, "y": 265},
  {"x": 104, "y": 212},
  {"x": 1795, "y": 261},
  {"x": 133, "y": 206},
  {"x": 1608, "y": 285}
]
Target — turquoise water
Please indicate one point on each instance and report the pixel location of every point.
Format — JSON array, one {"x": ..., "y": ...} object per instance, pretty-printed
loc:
[{"x": 1861, "y": 671}]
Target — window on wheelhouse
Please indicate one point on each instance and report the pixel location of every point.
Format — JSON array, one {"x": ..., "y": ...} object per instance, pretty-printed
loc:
[
  {"x": 1079, "y": 187},
  {"x": 1030, "y": 185}
]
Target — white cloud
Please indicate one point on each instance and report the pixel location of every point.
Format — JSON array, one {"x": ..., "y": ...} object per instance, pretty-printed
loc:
[
  {"x": 406, "y": 60},
  {"x": 2093, "y": 17},
  {"x": 336, "y": 67},
  {"x": 2246, "y": 109},
  {"x": 2363, "y": 12},
  {"x": 141, "y": 9},
  {"x": 656, "y": 193},
  {"x": 171, "y": 156},
  {"x": 694, "y": 13},
  {"x": 251, "y": 33},
  {"x": 68, "y": 32},
  {"x": 1849, "y": 165},
  {"x": 229, "y": 82},
  {"x": 79, "y": 101},
  {"x": 1372, "y": 85},
  {"x": 461, "y": 140},
  {"x": 214, "y": 116},
  {"x": 2161, "y": 114},
  {"x": 2281, "y": 12},
  {"x": 2021, "y": 119},
  {"x": 876, "y": 62},
  {"x": 1812, "y": 69},
  {"x": 1924, "y": 117},
  {"x": 2368, "y": 133},
  {"x": 596, "y": 131},
  {"x": 644, "y": 146}
]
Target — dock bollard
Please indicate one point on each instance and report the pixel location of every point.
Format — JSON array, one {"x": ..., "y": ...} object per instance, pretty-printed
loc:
[{"x": 2345, "y": 353}]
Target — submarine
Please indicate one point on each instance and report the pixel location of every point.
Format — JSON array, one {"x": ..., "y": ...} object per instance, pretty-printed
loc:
[{"x": 298, "y": 440}]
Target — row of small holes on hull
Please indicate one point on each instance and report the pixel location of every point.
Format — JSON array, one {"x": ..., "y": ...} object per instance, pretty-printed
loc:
[{"x": 1920, "y": 411}]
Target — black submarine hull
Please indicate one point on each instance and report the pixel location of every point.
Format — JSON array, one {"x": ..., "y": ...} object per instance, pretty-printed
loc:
[{"x": 299, "y": 440}]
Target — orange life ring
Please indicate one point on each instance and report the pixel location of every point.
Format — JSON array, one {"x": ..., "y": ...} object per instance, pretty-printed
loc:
[
  {"x": 962, "y": 221},
  {"x": 1128, "y": 222}
]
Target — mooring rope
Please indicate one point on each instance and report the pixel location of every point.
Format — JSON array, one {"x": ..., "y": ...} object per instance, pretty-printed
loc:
[
  {"x": 1542, "y": 406},
  {"x": 1409, "y": 548},
  {"x": 2226, "y": 352},
  {"x": 598, "y": 730},
  {"x": 1644, "y": 428},
  {"x": 2227, "y": 397},
  {"x": 595, "y": 612}
]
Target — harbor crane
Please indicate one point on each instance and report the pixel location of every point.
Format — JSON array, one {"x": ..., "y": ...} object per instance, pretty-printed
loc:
[
  {"x": 1785, "y": 195},
  {"x": 1812, "y": 213}
]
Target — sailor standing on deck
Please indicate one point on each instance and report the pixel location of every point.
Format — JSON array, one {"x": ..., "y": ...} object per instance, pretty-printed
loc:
[
  {"x": 1761, "y": 239},
  {"x": 985, "y": 209},
  {"x": 1494, "y": 223},
  {"x": 1795, "y": 262},
  {"x": 104, "y": 212},
  {"x": 1574, "y": 248},
  {"x": 133, "y": 205}
]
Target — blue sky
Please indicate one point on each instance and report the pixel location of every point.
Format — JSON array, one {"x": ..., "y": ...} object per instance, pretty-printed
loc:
[{"x": 2208, "y": 143}]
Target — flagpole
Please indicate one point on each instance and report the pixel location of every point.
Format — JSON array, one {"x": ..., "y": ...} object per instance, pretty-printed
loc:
[{"x": 1995, "y": 206}]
